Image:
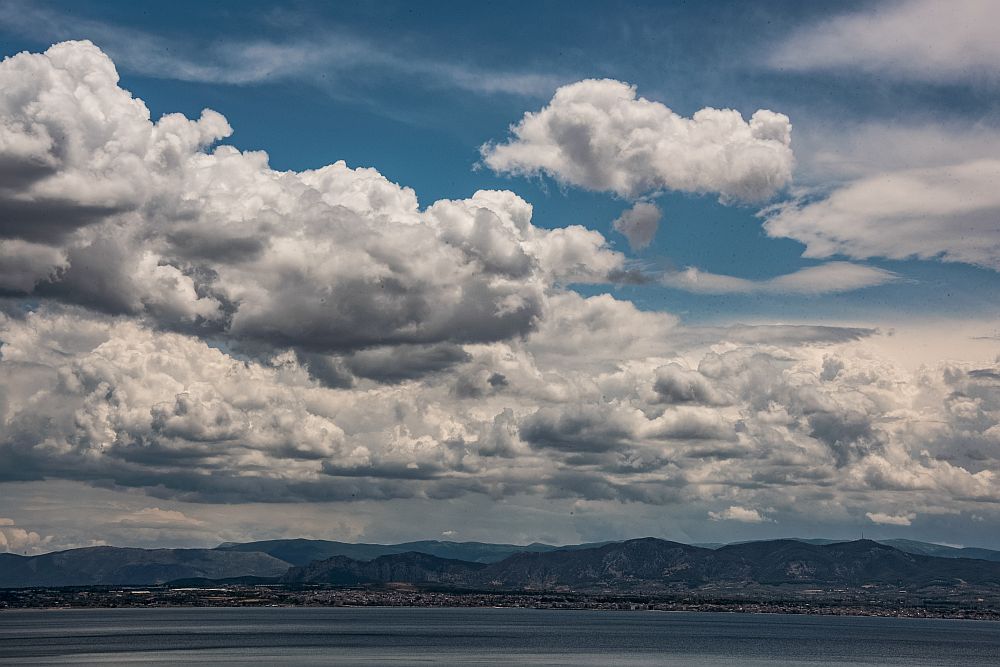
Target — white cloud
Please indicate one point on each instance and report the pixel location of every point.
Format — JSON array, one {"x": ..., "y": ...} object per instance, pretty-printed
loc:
[
  {"x": 639, "y": 224},
  {"x": 204, "y": 328},
  {"x": 885, "y": 519},
  {"x": 133, "y": 217},
  {"x": 89, "y": 399},
  {"x": 921, "y": 40},
  {"x": 737, "y": 513},
  {"x": 598, "y": 135},
  {"x": 829, "y": 278},
  {"x": 325, "y": 56},
  {"x": 949, "y": 213},
  {"x": 839, "y": 150},
  {"x": 19, "y": 540},
  {"x": 156, "y": 518}
]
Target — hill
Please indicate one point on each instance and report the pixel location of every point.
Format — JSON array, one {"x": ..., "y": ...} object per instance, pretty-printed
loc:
[
  {"x": 634, "y": 565},
  {"x": 303, "y": 551},
  {"x": 411, "y": 567},
  {"x": 120, "y": 565},
  {"x": 650, "y": 564}
]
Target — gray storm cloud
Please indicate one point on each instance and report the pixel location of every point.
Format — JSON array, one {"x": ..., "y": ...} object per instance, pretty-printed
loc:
[{"x": 88, "y": 398}]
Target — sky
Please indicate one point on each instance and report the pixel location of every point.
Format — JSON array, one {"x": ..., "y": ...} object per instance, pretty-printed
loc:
[{"x": 504, "y": 272}]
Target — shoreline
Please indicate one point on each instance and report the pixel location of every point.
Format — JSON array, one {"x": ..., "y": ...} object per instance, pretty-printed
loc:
[{"x": 55, "y": 600}]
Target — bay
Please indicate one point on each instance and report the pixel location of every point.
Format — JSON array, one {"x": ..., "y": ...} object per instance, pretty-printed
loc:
[{"x": 404, "y": 636}]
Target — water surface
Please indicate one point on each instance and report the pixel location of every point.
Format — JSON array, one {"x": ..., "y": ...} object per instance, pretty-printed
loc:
[{"x": 368, "y": 636}]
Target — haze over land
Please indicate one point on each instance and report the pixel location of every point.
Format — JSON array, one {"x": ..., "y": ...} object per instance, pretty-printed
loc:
[{"x": 708, "y": 274}]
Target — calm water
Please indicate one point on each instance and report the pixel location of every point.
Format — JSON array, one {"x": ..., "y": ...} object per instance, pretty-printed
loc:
[{"x": 484, "y": 637}]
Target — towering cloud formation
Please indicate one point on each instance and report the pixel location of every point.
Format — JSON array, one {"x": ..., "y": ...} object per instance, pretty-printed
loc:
[
  {"x": 102, "y": 207},
  {"x": 598, "y": 135}
]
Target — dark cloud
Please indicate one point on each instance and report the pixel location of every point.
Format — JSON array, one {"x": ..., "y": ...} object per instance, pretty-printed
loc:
[
  {"x": 675, "y": 384},
  {"x": 48, "y": 220},
  {"x": 404, "y": 362},
  {"x": 327, "y": 370},
  {"x": 196, "y": 245},
  {"x": 850, "y": 435},
  {"x": 591, "y": 428}
]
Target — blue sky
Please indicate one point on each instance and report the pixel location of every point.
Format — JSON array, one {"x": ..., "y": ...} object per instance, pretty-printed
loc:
[
  {"x": 423, "y": 129},
  {"x": 197, "y": 344}
]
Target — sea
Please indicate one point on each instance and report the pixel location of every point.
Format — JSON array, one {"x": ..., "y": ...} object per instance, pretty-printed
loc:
[{"x": 414, "y": 636}]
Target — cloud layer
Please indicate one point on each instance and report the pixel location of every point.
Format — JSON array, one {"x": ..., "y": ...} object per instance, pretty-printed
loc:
[
  {"x": 183, "y": 320},
  {"x": 949, "y": 213},
  {"x": 314, "y": 53},
  {"x": 829, "y": 278},
  {"x": 921, "y": 40},
  {"x": 597, "y": 134},
  {"x": 814, "y": 424}
]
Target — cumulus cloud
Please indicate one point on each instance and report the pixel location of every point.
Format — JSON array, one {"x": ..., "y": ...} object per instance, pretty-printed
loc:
[
  {"x": 207, "y": 329},
  {"x": 884, "y": 519},
  {"x": 20, "y": 540},
  {"x": 85, "y": 398},
  {"x": 597, "y": 134},
  {"x": 948, "y": 213},
  {"x": 921, "y": 40},
  {"x": 23, "y": 265},
  {"x": 829, "y": 278},
  {"x": 737, "y": 513},
  {"x": 676, "y": 384},
  {"x": 112, "y": 211},
  {"x": 639, "y": 224}
]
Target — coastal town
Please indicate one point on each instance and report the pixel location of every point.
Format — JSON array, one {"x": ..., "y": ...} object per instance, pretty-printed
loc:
[{"x": 871, "y": 602}]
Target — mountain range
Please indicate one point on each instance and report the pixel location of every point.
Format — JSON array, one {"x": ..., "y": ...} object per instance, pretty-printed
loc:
[
  {"x": 122, "y": 565},
  {"x": 641, "y": 564},
  {"x": 650, "y": 564},
  {"x": 301, "y": 551}
]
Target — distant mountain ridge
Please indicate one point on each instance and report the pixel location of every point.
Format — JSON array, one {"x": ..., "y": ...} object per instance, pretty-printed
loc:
[
  {"x": 629, "y": 564},
  {"x": 410, "y": 567},
  {"x": 650, "y": 564},
  {"x": 301, "y": 551},
  {"x": 94, "y": 566}
]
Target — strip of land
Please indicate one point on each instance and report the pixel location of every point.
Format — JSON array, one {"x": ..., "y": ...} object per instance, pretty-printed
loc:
[{"x": 832, "y": 603}]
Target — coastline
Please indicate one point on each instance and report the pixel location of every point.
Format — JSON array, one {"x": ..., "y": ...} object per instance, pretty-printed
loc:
[{"x": 249, "y": 597}]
